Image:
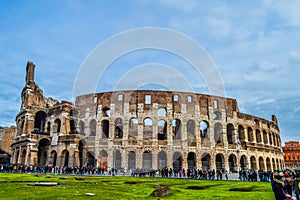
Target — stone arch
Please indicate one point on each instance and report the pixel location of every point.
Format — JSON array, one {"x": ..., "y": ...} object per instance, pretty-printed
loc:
[
  {"x": 105, "y": 128},
  {"x": 133, "y": 127},
  {"x": 265, "y": 136},
  {"x": 232, "y": 161},
  {"x": 147, "y": 128},
  {"x": 204, "y": 131},
  {"x": 191, "y": 160},
  {"x": 117, "y": 159},
  {"x": 177, "y": 160},
  {"x": 176, "y": 129},
  {"x": 258, "y": 136},
  {"x": 40, "y": 122},
  {"x": 103, "y": 158},
  {"x": 53, "y": 158},
  {"x": 191, "y": 136},
  {"x": 106, "y": 112},
  {"x": 268, "y": 162},
  {"x": 273, "y": 164},
  {"x": 220, "y": 161},
  {"x": 241, "y": 131},
  {"x": 81, "y": 127},
  {"x": 162, "y": 112},
  {"x": 162, "y": 160},
  {"x": 56, "y": 126},
  {"x": 147, "y": 160},
  {"x": 277, "y": 164},
  {"x": 217, "y": 115},
  {"x": 250, "y": 134},
  {"x": 230, "y": 134},
  {"x": 93, "y": 125},
  {"x": 131, "y": 160},
  {"x": 23, "y": 157},
  {"x": 253, "y": 163},
  {"x": 261, "y": 163},
  {"x": 119, "y": 128},
  {"x": 162, "y": 130},
  {"x": 43, "y": 147},
  {"x": 17, "y": 153},
  {"x": 206, "y": 161},
  {"x": 65, "y": 157},
  {"x": 218, "y": 133},
  {"x": 243, "y": 162},
  {"x": 73, "y": 125},
  {"x": 81, "y": 150}
]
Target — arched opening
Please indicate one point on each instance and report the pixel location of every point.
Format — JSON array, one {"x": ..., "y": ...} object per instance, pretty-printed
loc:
[
  {"x": 161, "y": 160},
  {"x": 103, "y": 155},
  {"x": 23, "y": 157},
  {"x": 48, "y": 127},
  {"x": 133, "y": 127},
  {"x": 176, "y": 129},
  {"x": 147, "y": 160},
  {"x": 217, "y": 115},
  {"x": 74, "y": 113},
  {"x": 106, "y": 112},
  {"x": 93, "y": 125},
  {"x": 73, "y": 127},
  {"x": 177, "y": 160},
  {"x": 118, "y": 128},
  {"x": 258, "y": 136},
  {"x": 253, "y": 163},
  {"x": 265, "y": 134},
  {"x": 270, "y": 139},
  {"x": 161, "y": 112},
  {"x": 162, "y": 130},
  {"x": 191, "y": 136},
  {"x": 43, "y": 148},
  {"x": 191, "y": 160},
  {"x": 250, "y": 134},
  {"x": 277, "y": 162},
  {"x": 243, "y": 162},
  {"x": 131, "y": 160},
  {"x": 81, "y": 148},
  {"x": 268, "y": 162},
  {"x": 81, "y": 127},
  {"x": 204, "y": 129},
  {"x": 17, "y": 153},
  {"x": 232, "y": 163},
  {"x": 147, "y": 129},
  {"x": 274, "y": 164},
  {"x": 205, "y": 160},
  {"x": 56, "y": 126},
  {"x": 65, "y": 158},
  {"x": 230, "y": 134},
  {"x": 90, "y": 159},
  {"x": 220, "y": 162},
  {"x": 117, "y": 159},
  {"x": 105, "y": 128},
  {"x": 261, "y": 163},
  {"x": 40, "y": 122},
  {"x": 218, "y": 133},
  {"x": 53, "y": 158},
  {"x": 241, "y": 133}
]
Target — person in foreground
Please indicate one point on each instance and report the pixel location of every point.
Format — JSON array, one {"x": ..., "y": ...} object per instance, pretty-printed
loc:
[{"x": 278, "y": 188}]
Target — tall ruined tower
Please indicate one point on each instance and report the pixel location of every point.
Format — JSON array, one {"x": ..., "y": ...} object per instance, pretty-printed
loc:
[{"x": 30, "y": 73}]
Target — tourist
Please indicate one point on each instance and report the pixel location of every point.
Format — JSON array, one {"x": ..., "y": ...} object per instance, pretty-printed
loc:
[
  {"x": 288, "y": 183},
  {"x": 296, "y": 186},
  {"x": 278, "y": 187}
]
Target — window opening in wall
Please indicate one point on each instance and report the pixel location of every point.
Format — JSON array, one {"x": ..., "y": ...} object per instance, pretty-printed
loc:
[
  {"x": 203, "y": 129},
  {"x": 95, "y": 99},
  {"x": 175, "y": 97},
  {"x": 162, "y": 112},
  {"x": 147, "y": 99},
  {"x": 255, "y": 122},
  {"x": 120, "y": 97},
  {"x": 189, "y": 99},
  {"x": 216, "y": 104},
  {"x": 106, "y": 112},
  {"x": 162, "y": 130}
]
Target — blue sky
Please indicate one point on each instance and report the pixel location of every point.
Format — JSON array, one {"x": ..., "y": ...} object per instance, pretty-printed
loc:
[{"x": 254, "y": 44}]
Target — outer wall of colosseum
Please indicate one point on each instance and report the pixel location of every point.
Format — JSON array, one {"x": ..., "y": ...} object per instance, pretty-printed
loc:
[{"x": 142, "y": 129}]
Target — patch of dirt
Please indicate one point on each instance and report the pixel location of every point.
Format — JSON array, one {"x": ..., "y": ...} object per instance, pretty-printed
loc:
[
  {"x": 131, "y": 182},
  {"x": 244, "y": 189},
  {"x": 201, "y": 187},
  {"x": 161, "y": 191}
]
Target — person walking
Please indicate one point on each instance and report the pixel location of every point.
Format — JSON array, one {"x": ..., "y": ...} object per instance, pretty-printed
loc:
[{"x": 296, "y": 186}]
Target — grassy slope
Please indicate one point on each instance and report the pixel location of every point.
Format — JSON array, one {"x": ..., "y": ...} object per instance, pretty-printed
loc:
[{"x": 14, "y": 186}]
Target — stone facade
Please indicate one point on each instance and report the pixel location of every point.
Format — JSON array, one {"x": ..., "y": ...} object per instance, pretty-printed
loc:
[
  {"x": 7, "y": 138},
  {"x": 291, "y": 152},
  {"x": 143, "y": 129}
]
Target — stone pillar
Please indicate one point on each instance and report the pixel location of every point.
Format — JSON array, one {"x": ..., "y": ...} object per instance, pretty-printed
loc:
[
  {"x": 184, "y": 160},
  {"x": 154, "y": 159},
  {"x": 246, "y": 134}
]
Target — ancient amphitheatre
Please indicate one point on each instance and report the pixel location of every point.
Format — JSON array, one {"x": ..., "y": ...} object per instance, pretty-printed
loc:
[{"x": 142, "y": 129}]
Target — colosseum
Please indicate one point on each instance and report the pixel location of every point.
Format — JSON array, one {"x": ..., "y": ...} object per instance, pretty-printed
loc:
[{"x": 142, "y": 129}]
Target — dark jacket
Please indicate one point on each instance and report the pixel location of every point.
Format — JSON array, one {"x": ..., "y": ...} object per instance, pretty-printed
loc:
[
  {"x": 296, "y": 187},
  {"x": 278, "y": 189}
]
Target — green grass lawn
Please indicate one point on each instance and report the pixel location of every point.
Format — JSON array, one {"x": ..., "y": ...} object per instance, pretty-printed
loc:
[{"x": 17, "y": 186}]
